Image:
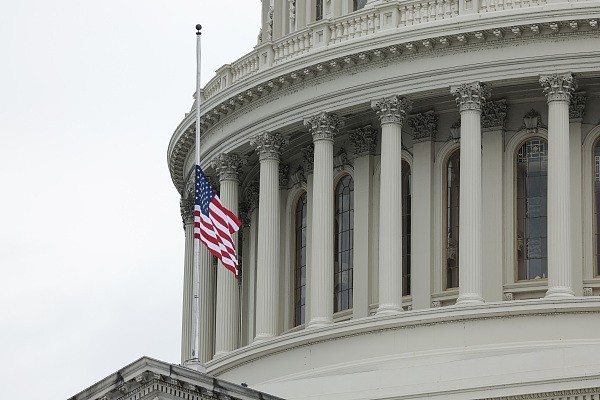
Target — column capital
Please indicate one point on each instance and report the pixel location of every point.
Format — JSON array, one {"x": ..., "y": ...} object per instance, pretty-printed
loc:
[
  {"x": 470, "y": 96},
  {"x": 323, "y": 126},
  {"x": 493, "y": 114},
  {"x": 392, "y": 110},
  {"x": 308, "y": 158},
  {"x": 558, "y": 87},
  {"x": 186, "y": 207},
  {"x": 424, "y": 126},
  {"x": 268, "y": 145},
  {"x": 228, "y": 166},
  {"x": 364, "y": 140},
  {"x": 577, "y": 105}
]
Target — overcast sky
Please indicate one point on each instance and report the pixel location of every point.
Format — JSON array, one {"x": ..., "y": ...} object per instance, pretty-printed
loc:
[{"x": 91, "y": 240}]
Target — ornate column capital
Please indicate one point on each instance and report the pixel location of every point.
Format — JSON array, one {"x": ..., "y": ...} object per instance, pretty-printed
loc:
[
  {"x": 470, "y": 96},
  {"x": 228, "y": 166},
  {"x": 251, "y": 196},
  {"x": 424, "y": 126},
  {"x": 284, "y": 176},
  {"x": 364, "y": 140},
  {"x": 186, "y": 207},
  {"x": 268, "y": 145},
  {"x": 392, "y": 110},
  {"x": 558, "y": 87},
  {"x": 323, "y": 126},
  {"x": 577, "y": 105},
  {"x": 308, "y": 158},
  {"x": 493, "y": 114}
]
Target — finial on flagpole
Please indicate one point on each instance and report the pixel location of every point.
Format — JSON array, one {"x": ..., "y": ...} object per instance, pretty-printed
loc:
[{"x": 198, "y": 29}]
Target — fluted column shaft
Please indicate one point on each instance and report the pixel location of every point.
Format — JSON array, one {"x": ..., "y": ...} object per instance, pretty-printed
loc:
[
  {"x": 558, "y": 89},
  {"x": 268, "y": 146},
  {"x": 207, "y": 305},
  {"x": 392, "y": 112},
  {"x": 227, "y": 310},
  {"x": 323, "y": 128},
  {"x": 470, "y": 98},
  {"x": 187, "y": 214}
]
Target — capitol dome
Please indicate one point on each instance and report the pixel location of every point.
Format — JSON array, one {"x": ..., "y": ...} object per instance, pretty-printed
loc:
[{"x": 419, "y": 185}]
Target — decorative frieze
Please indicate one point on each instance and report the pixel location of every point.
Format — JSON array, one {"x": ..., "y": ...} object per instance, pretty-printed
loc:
[
  {"x": 436, "y": 304},
  {"x": 323, "y": 126},
  {"x": 340, "y": 159},
  {"x": 292, "y": 11},
  {"x": 186, "y": 207},
  {"x": 268, "y": 145},
  {"x": 424, "y": 126},
  {"x": 308, "y": 158},
  {"x": 251, "y": 196},
  {"x": 392, "y": 110},
  {"x": 558, "y": 87},
  {"x": 532, "y": 120},
  {"x": 455, "y": 130},
  {"x": 364, "y": 140},
  {"x": 297, "y": 177},
  {"x": 508, "y": 296},
  {"x": 244, "y": 213},
  {"x": 470, "y": 96},
  {"x": 493, "y": 114},
  {"x": 284, "y": 176},
  {"x": 577, "y": 105},
  {"x": 588, "y": 291}
]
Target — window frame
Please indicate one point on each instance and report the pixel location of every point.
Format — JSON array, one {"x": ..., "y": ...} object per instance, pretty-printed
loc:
[{"x": 337, "y": 182}]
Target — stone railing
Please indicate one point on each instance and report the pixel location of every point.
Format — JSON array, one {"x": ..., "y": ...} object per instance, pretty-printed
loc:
[{"x": 390, "y": 16}]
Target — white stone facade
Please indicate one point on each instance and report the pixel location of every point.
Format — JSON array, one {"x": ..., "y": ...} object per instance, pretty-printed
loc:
[{"x": 494, "y": 310}]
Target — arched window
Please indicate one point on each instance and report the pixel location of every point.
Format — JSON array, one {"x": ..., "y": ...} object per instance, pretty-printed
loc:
[
  {"x": 300, "y": 231},
  {"x": 451, "y": 215},
  {"x": 344, "y": 239},
  {"x": 319, "y": 10},
  {"x": 531, "y": 172},
  {"x": 597, "y": 205},
  {"x": 406, "y": 227},
  {"x": 358, "y": 4}
]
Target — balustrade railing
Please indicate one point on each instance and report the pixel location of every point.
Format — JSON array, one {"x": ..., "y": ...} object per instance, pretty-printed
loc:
[{"x": 388, "y": 15}]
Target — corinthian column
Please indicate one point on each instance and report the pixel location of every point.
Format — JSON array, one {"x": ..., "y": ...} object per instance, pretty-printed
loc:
[
  {"x": 558, "y": 89},
  {"x": 391, "y": 112},
  {"x": 268, "y": 146},
  {"x": 469, "y": 98},
  {"x": 323, "y": 128},
  {"x": 187, "y": 215},
  {"x": 227, "y": 313}
]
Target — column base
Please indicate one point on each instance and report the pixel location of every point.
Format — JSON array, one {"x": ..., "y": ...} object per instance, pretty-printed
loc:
[
  {"x": 559, "y": 292},
  {"x": 319, "y": 323},
  {"x": 469, "y": 299},
  {"x": 220, "y": 354},
  {"x": 196, "y": 365},
  {"x": 388, "y": 309},
  {"x": 262, "y": 337}
]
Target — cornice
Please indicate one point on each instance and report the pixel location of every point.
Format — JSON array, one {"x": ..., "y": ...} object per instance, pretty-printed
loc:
[
  {"x": 399, "y": 44},
  {"x": 588, "y": 306}
]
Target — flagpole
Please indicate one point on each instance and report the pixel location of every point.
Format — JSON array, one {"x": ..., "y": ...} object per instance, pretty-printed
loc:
[{"x": 195, "y": 362}]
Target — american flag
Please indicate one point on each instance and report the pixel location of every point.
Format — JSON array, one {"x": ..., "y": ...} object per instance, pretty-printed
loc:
[{"x": 214, "y": 224}]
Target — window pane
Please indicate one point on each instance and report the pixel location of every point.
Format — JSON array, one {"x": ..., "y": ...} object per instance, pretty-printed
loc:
[
  {"x": 596, "y": 172},
  {"x": 300, "y": 231},
  {"x": 531, "y": 210},
  {"x": 343, "y": 244},
  {"x": 406, "y": 227},
  {"x": 451, "y": 219}
]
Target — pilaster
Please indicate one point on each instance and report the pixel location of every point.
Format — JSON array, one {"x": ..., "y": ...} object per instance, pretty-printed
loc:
[
  {"x": 558, "y": 89},
  {"x": 392, "y": 112},
  {"x": 424, "y": 132},
  {"x": 493, "y": 119},
  {"x": 364, "y": 141},
  {"x": 470, "y": 98},
  {"x": 576, "y": 112},
  {"x": 323, "y": 127}
]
